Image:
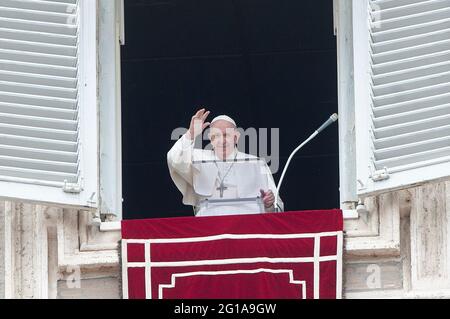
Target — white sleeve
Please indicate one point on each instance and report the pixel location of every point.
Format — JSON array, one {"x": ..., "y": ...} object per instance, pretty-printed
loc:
[
  {"x": 272, "y": 186},
  {"x": 179, "y": 159}
]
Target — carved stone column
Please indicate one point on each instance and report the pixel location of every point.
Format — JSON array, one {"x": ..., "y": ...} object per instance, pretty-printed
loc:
[
  {"x": 53, "y": 252},
  {"x": 24, "y": 255},
  {"x": 2, "y": 250},
  {"x": 430, "y": 236}
]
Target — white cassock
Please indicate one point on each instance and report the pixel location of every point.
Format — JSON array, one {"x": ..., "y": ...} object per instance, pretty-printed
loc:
[{"x": 199, "y": 181}]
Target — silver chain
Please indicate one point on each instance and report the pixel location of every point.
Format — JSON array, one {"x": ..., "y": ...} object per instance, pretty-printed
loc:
[{"x": 222, "y": 180}]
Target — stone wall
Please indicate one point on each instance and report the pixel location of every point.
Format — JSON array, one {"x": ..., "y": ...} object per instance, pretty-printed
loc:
[
  {"x": 2, "y": 253},
  {"x": 55, "y": 252},
  {"x": 102, "y": 283},
  {"x": 398, "y": 249}
]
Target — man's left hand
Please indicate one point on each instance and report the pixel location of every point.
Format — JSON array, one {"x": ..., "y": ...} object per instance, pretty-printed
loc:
[{"x": 268, "y": 198}]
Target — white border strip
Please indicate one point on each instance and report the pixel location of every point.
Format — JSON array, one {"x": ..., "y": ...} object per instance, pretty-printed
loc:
[
  {"x": 231, "y": 236},
  {"x": 148, "y": 272},
  {"x": 339, "y": 248},
  {"x": 316, "y": 259},
  {"x": 124, "y": 269},
  {"x": 231, "y": 272},
  {"x": 228, "y": 261},
  {"x": 316, "y": 267}
]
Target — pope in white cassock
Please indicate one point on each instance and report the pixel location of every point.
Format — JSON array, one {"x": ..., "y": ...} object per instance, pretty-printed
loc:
[{"x": 220, "y": 181}]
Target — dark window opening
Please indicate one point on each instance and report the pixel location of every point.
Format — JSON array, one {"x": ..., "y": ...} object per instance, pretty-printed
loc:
[{"x": 266, "y": 63}]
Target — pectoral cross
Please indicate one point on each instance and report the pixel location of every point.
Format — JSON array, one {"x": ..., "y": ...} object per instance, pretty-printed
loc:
[{"x": 222, "y": 188}]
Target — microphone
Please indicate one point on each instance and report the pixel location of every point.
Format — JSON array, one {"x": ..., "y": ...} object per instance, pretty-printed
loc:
[{"x": 333, "y": 118}]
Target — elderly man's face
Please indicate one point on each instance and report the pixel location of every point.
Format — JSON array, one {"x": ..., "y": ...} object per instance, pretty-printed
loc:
[{"x": 224, "y": 136}]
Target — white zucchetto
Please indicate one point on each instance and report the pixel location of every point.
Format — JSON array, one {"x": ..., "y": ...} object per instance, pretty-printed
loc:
[{"x": 224, "y": 118}]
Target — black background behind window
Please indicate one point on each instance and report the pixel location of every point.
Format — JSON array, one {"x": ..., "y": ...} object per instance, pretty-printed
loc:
[{"x": 266, "y": 63}]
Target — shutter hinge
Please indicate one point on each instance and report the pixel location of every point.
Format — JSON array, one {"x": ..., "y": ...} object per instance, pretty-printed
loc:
[
  {"x": 73, "y": 188},
  {"x": 380, "y": 175}
]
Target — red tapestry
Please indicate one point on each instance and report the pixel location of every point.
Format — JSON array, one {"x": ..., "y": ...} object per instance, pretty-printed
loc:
[{"x": 291, "y": 255}]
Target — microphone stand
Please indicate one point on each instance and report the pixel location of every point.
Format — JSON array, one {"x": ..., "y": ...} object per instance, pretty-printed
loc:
[{"x": 331, "y": 120}]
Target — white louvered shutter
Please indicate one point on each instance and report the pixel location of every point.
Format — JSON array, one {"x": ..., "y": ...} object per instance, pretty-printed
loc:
[
  {"x": 402, "y": 87},
  {"x": 48, "y": 101}
]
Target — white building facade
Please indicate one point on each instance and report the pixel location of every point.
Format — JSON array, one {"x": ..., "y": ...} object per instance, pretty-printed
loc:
[{"x": 60, "y": 151}]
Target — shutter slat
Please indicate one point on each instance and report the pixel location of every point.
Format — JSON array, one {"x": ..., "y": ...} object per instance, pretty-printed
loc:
[
  {"x": 34, "y": 15},
  {"x": 408, "y": 138},
  {"x": 406, "y": 53},
  {"x": 38, "y": 111},
  {"x": 408, "y": 9},
  {"x": 387, "y": 4},
  {"x": 38, "y": 143},
  {"x": 33, "y": 121},
  {"x": 411, "y": 41},
  {"x": 38, "y": 79},
  {"x": 38, "y": 47},
  {"x": 40, "y": 165},
  {"x": 38, "y": 154},
  {"x": 24, "y": 25},
  {"x": 38, "y": 90},
  {"x": 413, "y": 158},
  {"x": 64, "y": 1},
  {"x": 413, "y": 19},
  {"x": 412, "y": 84},
  {"x": 39, "y": 37},
  {"x": 413, "y": 94},
  {"x": 38, "y": 132},
  {"x": 413, "y": 126},
  {"x": 412, "y": 73},
  {"x": 416, "y": 115},
  {"x": 48, "y": 6},
  {"x": 424, "y": 102},
  {"x": 29, "y": 174},
  {"x": 411, "y": 62},
  {"x": 39, "y": 58},
  {"x": 413, "y": 148},
  {"x": 44, "y": 101},
  {"x": 39, "y": 69},
  {"x": 410, "y": 30}
]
